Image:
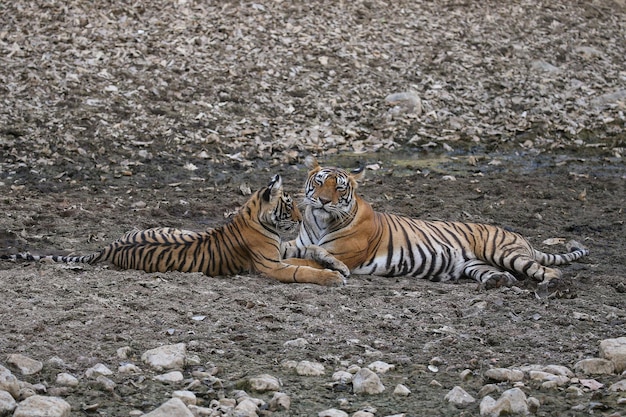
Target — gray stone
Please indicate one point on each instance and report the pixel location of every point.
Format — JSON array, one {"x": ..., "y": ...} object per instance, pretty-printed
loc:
[
  {"x": 280, "y": 401},
  {"x": 512, "y": 401},
  {"x": 8, "y": 382},
  {"x": 402, "y": 391},
  {"x": 367, "y": 382},
  {"x": 188, "y": 397},
  {"x": 39, "y": 405},
  {"x": 166, "y": 357},
  {"x": 595, "y": 366},
  {"x": 7, "y": 403},
  {"x": 459, "y": 397},
  {"x": 173, "y": 377},
  {"x": 332, "y": 412},
  {"x": 264, "y": 382},
  {"x": 618, "y": 386},
  {"x": 172, "y": 408},
  {"x": 66, "y": 380},
  {"x": 307, "y": 368},
  {"x": 615, "y": 351},
  {"x": 97, "y": 370},
  {"x": 26, "y": 365},
  {"x": 504, "y": 374}
]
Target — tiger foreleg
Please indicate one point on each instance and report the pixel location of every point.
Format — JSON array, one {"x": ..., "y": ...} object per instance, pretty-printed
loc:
[
  {"x": 305, "y": 271},
  {"x": 488, "y": 275},
  {"x": 317, "y": 254}
]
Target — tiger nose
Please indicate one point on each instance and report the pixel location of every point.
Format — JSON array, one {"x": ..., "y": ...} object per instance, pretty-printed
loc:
[{"x": 324, "y": 201}]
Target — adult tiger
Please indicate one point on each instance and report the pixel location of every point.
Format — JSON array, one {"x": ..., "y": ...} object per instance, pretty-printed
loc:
[
  {"x": 369, "y": 242},
  {"x": 250, "y": 242}
]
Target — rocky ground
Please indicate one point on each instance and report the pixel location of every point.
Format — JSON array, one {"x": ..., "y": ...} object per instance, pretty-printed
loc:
[{"x": 117, "y": 116}]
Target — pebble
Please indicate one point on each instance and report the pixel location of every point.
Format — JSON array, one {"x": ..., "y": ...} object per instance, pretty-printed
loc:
[
  {"x": 105, "y": 383},
  {"x": 512, "y": 401},
  {"x": 66, "y": 380},
  {"x": 367, "y": 382},
  {"x": 615, "y": 351},
  {"x": 558, "y": 370},
  {"x": 402, "y": 391},
  {"x": 170, "y": 377},
  {"x": 504, "y": 374},
  {"x": 264, "y": 382},
  {"x": 129, "y": 368},
  {"x": 308, "y": 368},
  {"x": 98, "y": 370},
  {"x": 8, "y": 382},
  {"x": 123, "y": 352},
  {"x": 380, "y": 367},
  {"x": 39, "y": 405},
  {"x": 172, "y": 408},
  {"x": 363, "y": 413},
  {"x": 332, "y": 412},
  {"x": 166, "y": 357},
  {"x": 26, "y": 365},
  {"x": 7, "y": 403},
  {"x": 459, "y": 397},
  {"x": 488, "y": 389},
  {"x": 248, "y": 407},
  {"x": 595, "y": 366}
]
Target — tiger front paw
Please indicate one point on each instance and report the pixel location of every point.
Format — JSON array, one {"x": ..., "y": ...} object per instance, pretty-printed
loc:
[
  {"x": 336, "y": 265},
  {"x": 497, "y": 280},
  {"x": 334, "y": 279}
]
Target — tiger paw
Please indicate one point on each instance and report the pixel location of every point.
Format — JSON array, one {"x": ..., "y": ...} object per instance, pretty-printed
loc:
[
  {"x": 333, "y": 279},
  {"x": 501, "y": 279}
]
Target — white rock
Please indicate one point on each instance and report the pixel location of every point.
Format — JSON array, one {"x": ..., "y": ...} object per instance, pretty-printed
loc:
[
  {"x": 363, "y": 413},
  {"x": 595, "y": 366},
  {"x": 188, "y": 397},
  {"x": 618, "y": 386},
  {"x": 264, "y": 382},
  {"x": 332, "y": 412},
  {"x": 380, "y": 367},
  {"x": 38, "y": 406},
  {"x": 248, "y": 407},
  {"x": 26, "y": 365},
  {"x": 402, "y": 391},
  {"x": 105, "y": 383},
  {"x": 8, "y": 382},
  {"x": 170, "y": 377},
  {"x": 123, "y": 352},
  {"x": 166, "y": 357},
  {"x": 98, "y": 370},
  {"x": 172, "y": 408},
  {"x": 299, "y": 342},
  {"x": 343, "y": 377},
  {"x": 280, "y": 401},
  {"x": 615, "y": 351},
  {"x": 7, "y": 403},
  {"x": 129, "y": 368},
  {"x": 367, "y": 382},
  {"x": 504, "y": 374},
  {"x": 512, "y": 401},
  {"x": 547, "y": 376},
  {"x": 353, "y": 369},
  {"x": 558, "y": 370},
  {"x": 488, "y": 389},
  {"x": 66, "y": 380},
  {"x": 459, "y": 397},
  {"x": 307, "y": 368}
]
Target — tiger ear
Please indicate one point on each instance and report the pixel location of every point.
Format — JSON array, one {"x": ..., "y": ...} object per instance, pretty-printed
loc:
[
  {"x": 274, "y": 188},
  {"x": 357, "y": 174},
  {"x": 311, "y": 162}
]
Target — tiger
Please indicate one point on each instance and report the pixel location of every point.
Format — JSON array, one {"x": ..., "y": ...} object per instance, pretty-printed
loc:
[
  {"x": 369, "y": 242},
  {"x": 250, "y": 242}
]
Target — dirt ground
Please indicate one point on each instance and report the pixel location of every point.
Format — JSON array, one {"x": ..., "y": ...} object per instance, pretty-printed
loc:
[{"x": 141, "y": 116}]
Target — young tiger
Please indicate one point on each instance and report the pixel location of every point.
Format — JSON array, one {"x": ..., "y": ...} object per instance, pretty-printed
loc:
[
  {"x": 248, "y": 243},
  {"x": 370, "y": 242}
]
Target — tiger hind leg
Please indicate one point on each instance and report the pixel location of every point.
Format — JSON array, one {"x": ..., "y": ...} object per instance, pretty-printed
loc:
[{"x": 488, "y": 275}]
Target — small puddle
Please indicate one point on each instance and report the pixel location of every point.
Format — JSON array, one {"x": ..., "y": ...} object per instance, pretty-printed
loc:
[{"x": 596, "y": 164}]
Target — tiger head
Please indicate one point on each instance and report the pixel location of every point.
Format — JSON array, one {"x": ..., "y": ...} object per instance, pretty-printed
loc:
[
  {"x": 330, "y": 192},
  {"x": 276, "y": 208}
]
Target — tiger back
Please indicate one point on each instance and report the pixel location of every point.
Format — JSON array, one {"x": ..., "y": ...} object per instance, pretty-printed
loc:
[
  {"x": 250, "y": 242},
  {"x": 337, "y": 219}
]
